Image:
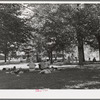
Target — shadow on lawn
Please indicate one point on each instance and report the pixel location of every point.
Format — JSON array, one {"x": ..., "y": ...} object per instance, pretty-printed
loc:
[{"x": 69, "y": 78}]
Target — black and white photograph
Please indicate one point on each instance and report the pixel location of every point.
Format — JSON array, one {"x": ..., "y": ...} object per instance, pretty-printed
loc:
[{"x": 50, "y": 46}]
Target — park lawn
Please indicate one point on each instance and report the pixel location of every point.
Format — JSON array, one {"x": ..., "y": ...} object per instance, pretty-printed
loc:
[{"x": 70, "y": 78}]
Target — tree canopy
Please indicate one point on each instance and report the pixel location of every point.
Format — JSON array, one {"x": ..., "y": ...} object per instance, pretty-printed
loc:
[
  {"x": 51, "y": 27},
  {"x": 13, "y": 29}
]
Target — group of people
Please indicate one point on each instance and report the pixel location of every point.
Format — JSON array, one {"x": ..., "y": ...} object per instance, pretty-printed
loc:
[
  {"x": 72, "y": 59},
  {"x": 94, "y": 59},
  {"x": 44, "y": 66},
  {"x": 14, "y": 70},
  {"x": 41, "y": 65}
]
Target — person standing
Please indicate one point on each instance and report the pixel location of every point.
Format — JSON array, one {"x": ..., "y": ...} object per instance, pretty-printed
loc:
[
  {"x": 72, "y": 58},
  {"x": 69, "y": 59}
]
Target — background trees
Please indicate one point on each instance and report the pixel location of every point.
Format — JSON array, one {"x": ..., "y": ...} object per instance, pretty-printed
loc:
[
  {"x": 54, "y": 26},
  {"x": 13, "y": 29},
  {"x": 94, "y": 26},
  {"x": 51, "y": 27}
]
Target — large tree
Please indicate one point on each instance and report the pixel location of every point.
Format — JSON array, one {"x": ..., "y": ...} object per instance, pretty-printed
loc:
[
  {"x": 58, "y": 33},
  {"x": 13, "y": 29},
  {"x": 58, "y": 22},
  {"x": 93, "y": 38}
]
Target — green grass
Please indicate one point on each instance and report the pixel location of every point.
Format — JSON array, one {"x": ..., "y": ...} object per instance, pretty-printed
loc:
[{"x": 63, "y": 79}]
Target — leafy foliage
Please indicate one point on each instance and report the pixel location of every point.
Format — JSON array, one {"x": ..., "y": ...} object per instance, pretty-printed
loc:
[{"x": 13, "y": 29}]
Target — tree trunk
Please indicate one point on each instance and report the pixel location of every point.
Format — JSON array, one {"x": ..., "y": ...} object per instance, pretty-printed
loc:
[
  {"x": 5, "y": 51},
  {"x": 99, "y": 49},
  {"x": 98, "y": 39},
  {"x": 63, "y": 58},
  {"x": 5, "y": 57},
  {"x": 80, "y": 39},
  {"x": 83, "y": 52},
  {"x": 80, "y": 51}
]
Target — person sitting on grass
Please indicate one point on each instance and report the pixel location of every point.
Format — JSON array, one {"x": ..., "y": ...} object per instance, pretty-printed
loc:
[
  {"x": 44, "y": 64},
  {"x": 47, "y": 63}
]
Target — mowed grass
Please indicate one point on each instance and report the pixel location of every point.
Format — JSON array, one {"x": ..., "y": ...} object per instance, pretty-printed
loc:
[{"x": 64, "y": 79}]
